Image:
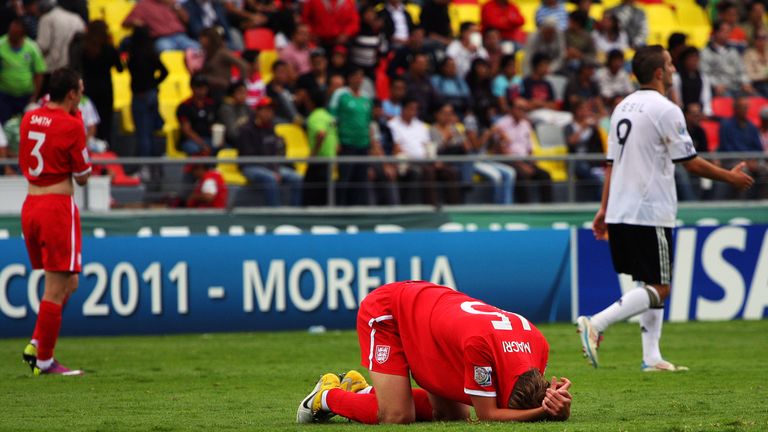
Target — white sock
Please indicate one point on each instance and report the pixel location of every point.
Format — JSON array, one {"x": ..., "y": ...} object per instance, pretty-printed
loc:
[
  {"x": 44, "y": 364},
  {"x": 33, "y": 342},
  {"x": 650, "y": 331},
  {"x": 365, "y": 390},
  {"x": 324, "y": 403},
  {"x": 629, "y": 305}
]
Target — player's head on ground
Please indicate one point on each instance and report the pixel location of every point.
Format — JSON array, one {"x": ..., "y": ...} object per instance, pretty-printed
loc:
[
  {"x": 652, "y": 65},
  {"x": 65, "y": 86},
  {"x": 529, "y": 390}
]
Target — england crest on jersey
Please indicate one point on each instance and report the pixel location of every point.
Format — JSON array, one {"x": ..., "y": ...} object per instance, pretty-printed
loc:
[
  {"x": 483, "y": 376},
  {"x": 382, "y": 353}
]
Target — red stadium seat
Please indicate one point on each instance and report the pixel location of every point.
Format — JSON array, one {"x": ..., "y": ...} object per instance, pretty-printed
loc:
[
  {"x": 712, "y": 130},
  {"x": 261, "y": 39},
  {"x": 722, "y": 107},
  {"x": 119, "y": 177},
  {"x": 755, "y": 105}
]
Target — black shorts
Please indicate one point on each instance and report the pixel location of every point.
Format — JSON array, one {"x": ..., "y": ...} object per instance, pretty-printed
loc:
[{"x": 644, "y": 252}]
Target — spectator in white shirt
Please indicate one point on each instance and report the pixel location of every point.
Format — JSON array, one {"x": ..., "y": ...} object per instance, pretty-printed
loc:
[
  {"x": 466, "y": 48},
  {"x": 412, "y": 142},
  {"x": 398, "y": 23},
  {"x": 613, "y": 79},
  {"x": 723, "y": 65}
]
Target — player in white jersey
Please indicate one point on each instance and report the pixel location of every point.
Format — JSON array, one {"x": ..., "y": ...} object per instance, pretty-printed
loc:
[{"x": 648, "y": 136}]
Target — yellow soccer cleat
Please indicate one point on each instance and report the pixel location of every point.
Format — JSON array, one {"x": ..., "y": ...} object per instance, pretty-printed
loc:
[
  {"x": 311, "y": 408},
  {"x": 30, "y": 356},
  {"x": 353, "y": 381}
]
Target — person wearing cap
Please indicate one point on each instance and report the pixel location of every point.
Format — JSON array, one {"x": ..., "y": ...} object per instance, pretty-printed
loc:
[
  {"x": 196, "y": 117},
  {"x": 210, "y": 189},
  {"x": 258, "y": 138},
  {"x": 297, "y": 52},
  {"x": 339, "y": 61}
]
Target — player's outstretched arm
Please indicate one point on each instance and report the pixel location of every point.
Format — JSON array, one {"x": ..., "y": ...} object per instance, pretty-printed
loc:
[
  {"x": 486, "y": 410},
  {"x": 735, "y": 176}
]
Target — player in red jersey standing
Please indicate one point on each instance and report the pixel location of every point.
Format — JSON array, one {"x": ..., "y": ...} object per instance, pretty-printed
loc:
[
  {"x": 52, "y": 152},
  {"x": 459, "y": 350}
]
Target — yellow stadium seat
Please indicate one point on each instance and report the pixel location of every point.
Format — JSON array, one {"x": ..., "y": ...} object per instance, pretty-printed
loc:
[
  {"x": 596, "y": 11},
  {"x": 266, "y": 60},
  {"x": 230, "y": 171},
  {"x": 114, "y": 15},
  {"x": 556, "y": 169},
  {"x": 661, "y": 23},
  {"x": 607, "y": 4},
  {"x": 174, "y": 89},
  {"x": 296, "y": 143},
  {"x": 415, "y": 11},
  {"x": 693, "y": 21},
  {"x": 174, "y": 62},
  {"x": 460, "y": 13},
  {"x": 171, "y": 130},
  {"x": 121, "y": 87},
  {"x": 528, "y": 10}
]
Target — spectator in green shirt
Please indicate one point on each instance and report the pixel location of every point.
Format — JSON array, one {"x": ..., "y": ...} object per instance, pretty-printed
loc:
[
  {"x": 323, "y": 142},
  {"x": 21, "y": 71},
  {"x": 352, "y": 109}
]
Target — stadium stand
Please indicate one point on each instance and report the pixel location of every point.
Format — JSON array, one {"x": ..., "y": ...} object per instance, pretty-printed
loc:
[{"x": 663, "y": 16}]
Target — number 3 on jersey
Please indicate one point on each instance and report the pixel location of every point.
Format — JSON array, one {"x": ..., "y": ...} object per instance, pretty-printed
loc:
[
  {"x": 39, "y": 139},
  {"x": 502, "y": 324}
]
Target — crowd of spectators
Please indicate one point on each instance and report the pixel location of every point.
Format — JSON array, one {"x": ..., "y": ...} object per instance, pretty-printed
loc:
[{"x": 371, "y": 79}]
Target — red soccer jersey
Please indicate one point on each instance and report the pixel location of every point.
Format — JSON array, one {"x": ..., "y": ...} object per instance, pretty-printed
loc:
[
  {"x": 52, "y": 146},
  {"x": 457, "y": 346},
  {"x": 211, "y": 183}
]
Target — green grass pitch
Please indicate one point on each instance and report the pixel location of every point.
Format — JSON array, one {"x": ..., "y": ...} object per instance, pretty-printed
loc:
[{"x": 254, "y": 382}]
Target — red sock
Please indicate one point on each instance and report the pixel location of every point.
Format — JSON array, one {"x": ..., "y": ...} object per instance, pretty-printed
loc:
[
  {"x": 363, "y": 408},
  {"x": 47, "y": 329},
  {"x": 36, "y": 333},
  {"x": 423, "y": 407}
]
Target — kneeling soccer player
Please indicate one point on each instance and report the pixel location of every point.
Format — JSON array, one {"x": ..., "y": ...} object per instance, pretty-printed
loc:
[{"x": 460, "y": 350}]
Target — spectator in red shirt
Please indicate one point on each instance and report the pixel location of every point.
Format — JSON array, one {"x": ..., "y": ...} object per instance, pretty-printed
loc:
[
  {"x": 506, "y": 17},
  {"x": 210, "y": 189},
  {"x": 332, "y": 22}
]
